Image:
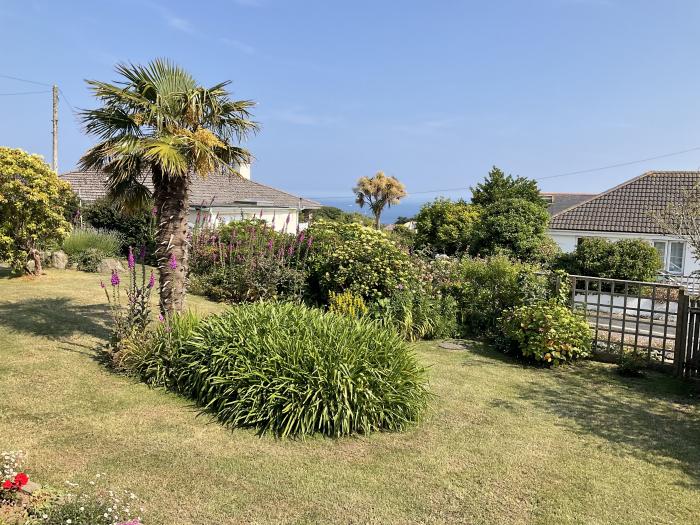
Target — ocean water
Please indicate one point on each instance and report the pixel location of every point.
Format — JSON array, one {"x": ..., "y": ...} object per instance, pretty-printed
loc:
[{"x": 406, "y": 208}]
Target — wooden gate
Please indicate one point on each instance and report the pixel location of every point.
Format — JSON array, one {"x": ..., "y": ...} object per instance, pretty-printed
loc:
[{"x": 686, "y": 355}]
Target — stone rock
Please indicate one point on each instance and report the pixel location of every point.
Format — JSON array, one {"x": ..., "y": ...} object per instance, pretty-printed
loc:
[
  {"x": 58, "y": 260},
  {"x": 31, "y": 487},
  {"x": 108, "y": 265},
  {"x": 30, "y": 266}
]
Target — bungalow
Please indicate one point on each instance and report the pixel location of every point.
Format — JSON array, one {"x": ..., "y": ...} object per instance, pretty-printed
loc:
[
  {"x": 221, "y": 196},
  {"x": 627, "y": 212}
]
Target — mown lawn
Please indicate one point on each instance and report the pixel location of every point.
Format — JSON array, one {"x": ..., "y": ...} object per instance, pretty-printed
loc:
[{"x": 502, "y": 443}]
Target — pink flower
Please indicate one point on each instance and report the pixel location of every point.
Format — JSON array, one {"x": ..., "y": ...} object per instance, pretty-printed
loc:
[
  {"x": 115, "y": 278},
  {"x": 161, "y": 318},
  {"x": 154, "y": 211},
  {"x": 173, "y": 262},
  {"x": 130, "y": 260},
  {"x": 151, "y": 280},
  {"x": 308, "y": 243}
]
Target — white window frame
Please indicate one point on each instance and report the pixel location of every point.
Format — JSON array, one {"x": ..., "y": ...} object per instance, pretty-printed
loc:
[{"x": 666, "y": 254}]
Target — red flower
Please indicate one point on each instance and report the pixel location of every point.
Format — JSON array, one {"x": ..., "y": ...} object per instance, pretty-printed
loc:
[
  {"x": 7, "y": 484},
  {"x": 21, "y": 479}
]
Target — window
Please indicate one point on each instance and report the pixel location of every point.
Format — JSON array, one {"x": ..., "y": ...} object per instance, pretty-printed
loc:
[
  {"x": 675, "y": 257},
  {"x": 661, "y": 250}
]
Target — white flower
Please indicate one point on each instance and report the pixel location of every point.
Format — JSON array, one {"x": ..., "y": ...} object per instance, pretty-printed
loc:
[
  {"x": 69, "y": 520},
  {"x": 82, "y": 509}
]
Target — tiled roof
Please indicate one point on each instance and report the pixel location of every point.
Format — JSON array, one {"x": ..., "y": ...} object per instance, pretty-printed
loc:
[
  {"x": 630, "y": 206},
  {"x": 558, "y": 202},
  {"x": 217, "y": 189}
]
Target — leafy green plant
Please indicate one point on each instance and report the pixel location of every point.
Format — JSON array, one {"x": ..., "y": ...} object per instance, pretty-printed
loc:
[
  {"x": 356, "y": 258},
  {"x": 418, "y": 315},
  {"x": 444, "y": 226},
  {"x": 485, "y": 288},
  {"x": 82, "y": 239},
  {"x": 633, "y": 362},
  {"x": 547, "y": 332},
  {"x": 290, "y": 370},
  {"x": 88, "y": 260}
]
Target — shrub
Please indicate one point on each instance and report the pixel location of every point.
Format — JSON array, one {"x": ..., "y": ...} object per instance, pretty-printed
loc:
[
  {"x": 82, "y": 239},
  {"x": 547, "y": 332},
  {"x": 516, "y": 227},
  {"x": 418, "y": 315},
  {"x": 245, "y": 261},
  {"x": 136, "y": 228},
  {"x": 630, "y": 259},
  {"x": 347, "y": 303},
  {"x": 33, "y": 202},
  {"x": 290, "y": 370},
  {"x": 356, "y": 258},
  {"x": 444, "y": 226},
  {"x": 485, "y": 288},
  {"x": 88, "y": 260},
  {"x": 633, "y": 362}
]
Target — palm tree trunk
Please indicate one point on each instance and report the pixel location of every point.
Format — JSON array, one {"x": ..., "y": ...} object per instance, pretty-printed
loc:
[
  {"x": 171, "y": 200},
  {"x": 377, "y": 223}
]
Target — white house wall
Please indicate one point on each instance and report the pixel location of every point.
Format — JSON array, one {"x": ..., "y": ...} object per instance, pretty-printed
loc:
[
  {"x": 227, "y": 214},
  {"x": 568, "y": 239}
]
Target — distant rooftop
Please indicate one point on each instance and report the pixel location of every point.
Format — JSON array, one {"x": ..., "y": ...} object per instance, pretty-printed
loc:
[
  {"x": 216, "y": 189},
  {"x": 558, "y": 202},
  {"x": 630, "y": 206}
]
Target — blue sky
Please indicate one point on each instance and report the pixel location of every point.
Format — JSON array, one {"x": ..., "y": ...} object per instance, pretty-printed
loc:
[{"x": 432, "y": 92}]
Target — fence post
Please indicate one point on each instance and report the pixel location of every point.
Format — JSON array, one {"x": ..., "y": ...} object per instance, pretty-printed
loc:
[{"x": 679, "y": 349}]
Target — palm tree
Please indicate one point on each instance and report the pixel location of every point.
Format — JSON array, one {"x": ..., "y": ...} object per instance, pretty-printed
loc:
[
  {"x": 157, "y": 121},
  {"x": 377, "y": 192}
]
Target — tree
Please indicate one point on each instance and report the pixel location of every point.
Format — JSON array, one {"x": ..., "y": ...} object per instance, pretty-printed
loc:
[
  {"x": 157, "y": 121},
  {"x": 332, "y": 213},
  {"x": 444, "y": 226},
  {"x": 377, "y": 192},
  {"x": 498, "y": 186},
  {"x": 33, "y": 203},
  {"x": 682, "y": 219},
  {"x": 517, "y": 227}
]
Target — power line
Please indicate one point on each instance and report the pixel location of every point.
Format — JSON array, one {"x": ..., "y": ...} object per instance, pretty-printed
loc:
[
  {"x": 565, "y": 174},
  {"x": 24, "y": 93},
  {"x": 26, "y": 80}
]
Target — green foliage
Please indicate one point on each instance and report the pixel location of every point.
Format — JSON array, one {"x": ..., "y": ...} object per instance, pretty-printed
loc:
[
  {"x": 33, "y": 203},
  {"x": 444, "y": 226},
  {"x": 498, "y": 187},
  {"x": 630, "y": 259},
  {"x": 633, "y": 362},
  {"x": 516, "y": 227},
  {"x": 88, "y": 260},
  {"x": 418, "y": 315},
  {"x": 402, "y": 236},
  {"x": 548, "y": 332},
  {"x": 356, "y": 258},
  {"x": 347, "y": 303},
  {"x": 485, "y": 288},
  {"x": 290, "y": 370},
  {"x": 80, "y": 240},
  {"x": 136, "y": 228}
]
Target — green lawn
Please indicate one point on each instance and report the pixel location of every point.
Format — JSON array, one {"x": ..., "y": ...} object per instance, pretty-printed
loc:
[{"x": 502, "y": 443}]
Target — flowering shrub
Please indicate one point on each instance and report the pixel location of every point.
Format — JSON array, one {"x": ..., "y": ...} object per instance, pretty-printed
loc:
[
  {"x": 347, "y": 303},
  {"x": 547, "y": 332},
  {"x": 355, "y": 258},
  {"x": 12, "y": 478},
  {"x": 135, "y": 317},
  {"x": 246, "y": 261}
]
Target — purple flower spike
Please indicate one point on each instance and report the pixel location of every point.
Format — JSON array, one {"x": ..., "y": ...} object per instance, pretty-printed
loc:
[
  {"x": 173, "y": 262},
  {"x": 290, "y": 250},
  {"x": 154, "y": 211},
  {"x": 131, "y": 261},
  {"x": 289, "y": 216},
  {"x": 269, "y": 244},
  {"x": 115, "y": 278},
  {"x": 151, "y": 280},
  {"x": 301, "y": 237},
  {"x": 161, "y": 318},
  {"x": 308, "y": 243}
]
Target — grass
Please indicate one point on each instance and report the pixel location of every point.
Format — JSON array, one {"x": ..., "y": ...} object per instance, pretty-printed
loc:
[
  {"x": 81, "y": 239},
  {"x": 502, "y": 443}
]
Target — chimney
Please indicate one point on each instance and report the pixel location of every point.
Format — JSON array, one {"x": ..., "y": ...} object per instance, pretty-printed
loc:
[{"x": 244, "y": 170}]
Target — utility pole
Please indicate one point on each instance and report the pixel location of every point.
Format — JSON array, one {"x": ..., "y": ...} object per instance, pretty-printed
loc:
[{"x": 54, "y": 164}]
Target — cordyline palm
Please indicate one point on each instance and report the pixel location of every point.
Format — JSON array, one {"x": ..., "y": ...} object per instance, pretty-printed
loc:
[
  {"x": 157, "y": 122},
  {"x": 377, "y": 192}
]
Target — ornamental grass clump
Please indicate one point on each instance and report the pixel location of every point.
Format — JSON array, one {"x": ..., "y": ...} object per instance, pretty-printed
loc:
[{"x": 290, "y": 370}]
